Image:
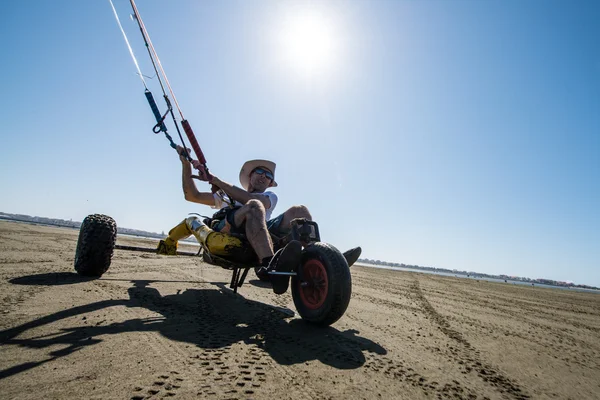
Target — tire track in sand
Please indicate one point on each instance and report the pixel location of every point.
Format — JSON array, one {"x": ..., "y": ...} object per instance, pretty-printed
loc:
[
  {"x": 223, "y": 361},
  {"x": 465, "y": 354},
  {"x": 578, "y": 351},
  {"x": 400, "y": 372}
]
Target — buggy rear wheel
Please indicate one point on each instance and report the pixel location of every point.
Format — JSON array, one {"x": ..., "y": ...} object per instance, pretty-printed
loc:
[
  {"x": 322, "y": 288},
  {"x": 95, "y": 245}
]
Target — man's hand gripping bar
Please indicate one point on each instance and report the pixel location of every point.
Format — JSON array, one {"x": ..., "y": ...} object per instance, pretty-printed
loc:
[{"x": 200, "y": 164}]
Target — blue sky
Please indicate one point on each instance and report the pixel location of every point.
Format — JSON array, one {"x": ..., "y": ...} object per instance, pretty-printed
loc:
[{"x": 453, "y": 134}]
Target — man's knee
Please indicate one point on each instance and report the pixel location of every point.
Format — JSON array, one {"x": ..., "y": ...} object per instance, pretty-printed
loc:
[
  {"x": 256, "y": 209},
  {"x": 253, "y": 210},
  {"x": 299, "y": 211}
]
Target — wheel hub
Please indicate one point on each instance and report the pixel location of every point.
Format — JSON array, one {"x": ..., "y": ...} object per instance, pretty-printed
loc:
[{"x": 315, "y": 285}]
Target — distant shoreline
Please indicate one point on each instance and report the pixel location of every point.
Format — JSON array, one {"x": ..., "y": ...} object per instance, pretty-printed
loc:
[
  {"x": 478, "y": 278},
  {"x": 365, "y": 262},
  {"x": 43, "y": 221}
]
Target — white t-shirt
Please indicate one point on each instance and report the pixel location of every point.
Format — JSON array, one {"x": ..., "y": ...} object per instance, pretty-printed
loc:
[{"x": 223, "y": 201}]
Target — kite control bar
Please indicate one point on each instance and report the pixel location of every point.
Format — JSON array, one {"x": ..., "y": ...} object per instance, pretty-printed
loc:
[{"x": 193, "y": 142}]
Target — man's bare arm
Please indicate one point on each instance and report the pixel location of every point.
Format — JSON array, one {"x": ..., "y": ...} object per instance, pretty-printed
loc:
[
  {"x": 190, "y": 192},
  {"x": 239, "y": 194}
]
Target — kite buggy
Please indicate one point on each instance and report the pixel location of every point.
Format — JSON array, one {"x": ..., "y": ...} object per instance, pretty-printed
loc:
[
  {"x": 320, "y": 282},
  {"x": 320, "y": 277}
]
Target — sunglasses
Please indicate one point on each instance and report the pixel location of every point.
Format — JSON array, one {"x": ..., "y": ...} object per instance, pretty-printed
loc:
[{"x": 264, "y": 172}]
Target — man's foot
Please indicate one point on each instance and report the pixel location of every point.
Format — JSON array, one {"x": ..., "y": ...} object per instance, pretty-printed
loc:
[
  {"x": 285, "y": 260},
  {"x": 262, "y": 274},
  {"x": 352, "y": 255},
  {"x": 167, "y": 248}
]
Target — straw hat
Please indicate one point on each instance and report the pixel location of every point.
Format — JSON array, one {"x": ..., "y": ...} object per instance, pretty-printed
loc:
[{"x": 250, "y": 166}]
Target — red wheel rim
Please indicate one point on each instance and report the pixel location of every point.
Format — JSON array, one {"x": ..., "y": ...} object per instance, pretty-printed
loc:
[{"x": 313, "y": 289}]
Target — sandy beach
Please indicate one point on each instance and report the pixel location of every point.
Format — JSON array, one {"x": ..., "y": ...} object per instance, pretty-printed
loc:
[{"x": 169, "y": 327}]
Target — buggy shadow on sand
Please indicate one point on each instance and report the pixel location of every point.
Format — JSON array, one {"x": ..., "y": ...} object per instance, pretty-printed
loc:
[
  {"x": 320, "y": 281},
  {"x": 208, "y": 318}
]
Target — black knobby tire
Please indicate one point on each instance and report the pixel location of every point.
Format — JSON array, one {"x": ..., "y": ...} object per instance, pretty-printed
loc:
[
  {"x": 96, "y": 244},
  {"x": 322, "y": 289}
]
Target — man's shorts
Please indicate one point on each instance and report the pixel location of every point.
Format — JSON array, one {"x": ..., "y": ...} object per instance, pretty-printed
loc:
[
  {"x": 274, "y": 224},
  {"x": 227, "y": 225}
]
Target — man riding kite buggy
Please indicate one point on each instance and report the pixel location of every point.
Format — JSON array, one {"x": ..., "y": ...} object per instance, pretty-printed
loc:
[
  {"x": 242, "y": 234},
  {"x": 247, "y": 211}
]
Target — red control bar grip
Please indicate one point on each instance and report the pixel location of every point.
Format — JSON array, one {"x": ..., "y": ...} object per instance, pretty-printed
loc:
[{"x": 193, "y": 142}]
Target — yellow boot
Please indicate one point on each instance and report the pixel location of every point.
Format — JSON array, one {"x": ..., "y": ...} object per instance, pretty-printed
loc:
[
  {"x": 220, "y": 244},
  {"x": 168, "y": 246}
]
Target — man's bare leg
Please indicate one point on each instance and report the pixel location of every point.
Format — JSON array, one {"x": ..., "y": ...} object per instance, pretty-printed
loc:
[
  {"x": 293, "y": 213},
  {"x": 253, "y": 213},
  {"x": 350, "y": 255}
]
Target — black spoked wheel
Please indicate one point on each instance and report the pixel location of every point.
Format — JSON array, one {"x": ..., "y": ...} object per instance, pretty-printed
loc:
[
  {"x": 95, "y": 245},
  {"x": 322, "y": 289}
]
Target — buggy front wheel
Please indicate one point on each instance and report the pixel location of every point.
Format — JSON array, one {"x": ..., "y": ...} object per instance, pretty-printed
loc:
[
  {"x": 95, "y": 245},
  {"x": 322, "y": 288}
]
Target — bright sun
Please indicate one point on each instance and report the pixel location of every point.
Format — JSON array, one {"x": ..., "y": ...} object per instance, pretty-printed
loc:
[{"x": 309, "y": 43}]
